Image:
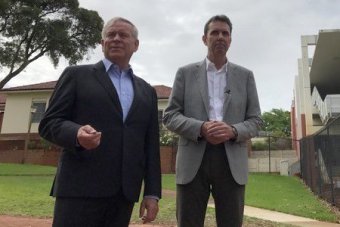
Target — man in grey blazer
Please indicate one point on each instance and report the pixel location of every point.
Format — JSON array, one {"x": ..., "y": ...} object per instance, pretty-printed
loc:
[
  {"x": 215, "y": 110},
  {"x": 106, "y": 119}
]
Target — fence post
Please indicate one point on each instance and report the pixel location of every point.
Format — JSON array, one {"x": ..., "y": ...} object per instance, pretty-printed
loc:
[
  {"x": 269, "y": 154},
  {"x": 330, "y": 163}
]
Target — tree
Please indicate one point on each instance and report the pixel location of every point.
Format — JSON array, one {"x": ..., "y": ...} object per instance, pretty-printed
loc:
[
  {"x": 30, "y": 29},
  {"x": 277, "y": 122}
]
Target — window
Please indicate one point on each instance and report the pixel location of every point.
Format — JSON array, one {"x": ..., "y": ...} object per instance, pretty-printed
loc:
[
  {"x": 37, "y": 110},
  {"x": 160, "y": 117}
]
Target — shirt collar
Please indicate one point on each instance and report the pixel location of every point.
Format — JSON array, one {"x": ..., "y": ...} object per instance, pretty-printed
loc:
[
  {"x": 108, "y": 64},
  {"x": 210, "y": 66}
]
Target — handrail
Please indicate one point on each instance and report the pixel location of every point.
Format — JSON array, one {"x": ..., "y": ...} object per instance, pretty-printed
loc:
[
  {"x": 328, "y": 108},
  {"x": 320, "y": 105}
]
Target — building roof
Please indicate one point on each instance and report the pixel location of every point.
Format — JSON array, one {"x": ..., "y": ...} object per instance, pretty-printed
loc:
[
  {"x": 325, "y": 69},
  {"x": 163, "y": 92},
  {"x": 32, "y": 87}
]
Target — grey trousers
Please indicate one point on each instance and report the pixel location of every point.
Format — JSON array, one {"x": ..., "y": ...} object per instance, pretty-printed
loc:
[{"x": 213, "y": 177}]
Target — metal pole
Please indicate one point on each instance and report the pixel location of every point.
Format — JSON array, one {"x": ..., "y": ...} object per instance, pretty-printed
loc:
[
  {"x": 27, "y": 137},
  {"x": 269, "y": 154}
]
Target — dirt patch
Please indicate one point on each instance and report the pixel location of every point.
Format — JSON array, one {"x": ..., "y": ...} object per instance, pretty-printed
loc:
[
  {"x": 19, "y": 221},
  {"x": 10, "y": 221},
  {"x": 16, "y": 221}
]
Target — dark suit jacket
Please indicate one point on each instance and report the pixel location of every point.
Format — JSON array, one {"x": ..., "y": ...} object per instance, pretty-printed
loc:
[{"x": 128, "y": 152}]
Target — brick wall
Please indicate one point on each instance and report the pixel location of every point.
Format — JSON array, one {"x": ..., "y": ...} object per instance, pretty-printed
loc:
[
  {"x": 168, "y": 159},
  {"x": 12, "y": 151}
]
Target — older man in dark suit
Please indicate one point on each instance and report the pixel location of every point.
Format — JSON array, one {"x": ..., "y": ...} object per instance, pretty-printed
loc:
[{"x": 105, "y": 118}]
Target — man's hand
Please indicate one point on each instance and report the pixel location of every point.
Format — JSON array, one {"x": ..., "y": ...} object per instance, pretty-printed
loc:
[
  {"x": 216, "y": 132},
  {"x": 151, "y": 207},
  {"x": 88, "y": 137}
]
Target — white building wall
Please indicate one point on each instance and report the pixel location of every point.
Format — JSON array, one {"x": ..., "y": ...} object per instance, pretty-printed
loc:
[
  {"x": 304, "y": 71},
  {"x": 162, "y": 104},
  {"x": 18, "y": 110},
  {"x": 16, "y": 114}
]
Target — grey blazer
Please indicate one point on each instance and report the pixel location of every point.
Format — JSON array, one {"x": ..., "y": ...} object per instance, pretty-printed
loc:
[{"x": 188, "y": 108}]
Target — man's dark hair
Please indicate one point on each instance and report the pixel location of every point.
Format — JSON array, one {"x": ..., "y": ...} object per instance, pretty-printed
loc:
[{"x": 222, "y": 18}]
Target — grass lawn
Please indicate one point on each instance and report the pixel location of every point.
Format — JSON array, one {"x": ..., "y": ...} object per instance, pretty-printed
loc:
[
  {"x": 7, "y": 169},
  {"x": 287, "y": 195},
  {"x": 26, "y": 195},
  {"x": 24, "y": 190}
]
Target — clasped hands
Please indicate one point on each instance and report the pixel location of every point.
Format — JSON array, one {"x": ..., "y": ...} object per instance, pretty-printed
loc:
[{"x": 216, "y": 132}]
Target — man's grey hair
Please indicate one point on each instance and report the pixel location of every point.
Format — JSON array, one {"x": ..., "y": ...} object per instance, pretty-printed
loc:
[{"x": 115, "y": 19}]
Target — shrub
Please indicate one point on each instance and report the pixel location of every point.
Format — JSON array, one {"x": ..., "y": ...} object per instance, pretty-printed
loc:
[
  {"x": 167, "y": 138},
  {"x": 259, "y": 146}
]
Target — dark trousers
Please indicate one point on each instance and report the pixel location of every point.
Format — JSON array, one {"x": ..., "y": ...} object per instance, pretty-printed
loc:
[
  {"x": 213, "y": 177},
  {"x": 92, "y": 212}
]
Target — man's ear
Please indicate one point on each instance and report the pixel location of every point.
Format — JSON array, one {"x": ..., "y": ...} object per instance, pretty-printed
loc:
[
  {"x": 136, "y": 45},
  {"x": 204, "y": 39}
]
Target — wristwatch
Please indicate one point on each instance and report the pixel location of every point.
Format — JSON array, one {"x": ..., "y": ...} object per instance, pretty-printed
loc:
[{"x": 235, "y": 132}]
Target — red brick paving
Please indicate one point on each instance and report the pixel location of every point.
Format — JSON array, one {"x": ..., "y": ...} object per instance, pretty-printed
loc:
[{"x": 17, "y": 221}]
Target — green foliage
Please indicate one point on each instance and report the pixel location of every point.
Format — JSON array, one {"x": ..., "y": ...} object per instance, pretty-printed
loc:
[
  {"x": 167, "y": 138},
  {"x": 30, "y": 29},
  {"x": 259, "y": 146},
  {"x": 41, "y": 144},
  {"x": 276, "y": 143},
  {"x": 277, "y": 123},
  {"x": 279, "y": 143}
]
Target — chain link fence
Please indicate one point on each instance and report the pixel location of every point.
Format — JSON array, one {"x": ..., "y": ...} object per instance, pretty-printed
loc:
[
  {"x": 272, "y": 154},
  {"x": 267, "y": 154},
  {"x": 320, "y": 162}
]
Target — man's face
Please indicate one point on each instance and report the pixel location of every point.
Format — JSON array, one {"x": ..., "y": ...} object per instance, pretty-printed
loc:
[
  {"x": 217, "y": 39},
  {"x": 119, "y": 43}
]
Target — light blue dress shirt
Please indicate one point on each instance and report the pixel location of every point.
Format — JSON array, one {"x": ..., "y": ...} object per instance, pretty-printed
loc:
[{"x": 122, "y": 80}]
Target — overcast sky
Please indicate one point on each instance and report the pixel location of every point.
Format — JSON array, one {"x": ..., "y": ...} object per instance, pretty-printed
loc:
[{"x": 265, "y": 38}]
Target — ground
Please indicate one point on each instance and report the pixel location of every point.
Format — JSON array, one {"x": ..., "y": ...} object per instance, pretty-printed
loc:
[{"x": 10, "y": 221}]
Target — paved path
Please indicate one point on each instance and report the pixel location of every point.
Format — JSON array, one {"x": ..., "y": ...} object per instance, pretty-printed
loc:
[{"x": 285, "y": 218}]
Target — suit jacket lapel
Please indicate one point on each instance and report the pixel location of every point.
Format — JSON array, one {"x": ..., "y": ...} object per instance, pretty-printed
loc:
[
  {"x": 106, "y": 82},
  {"x": 203, "y": 84},
  {"x": 137, "y": 89},
  {"x": 230, "y": 84}
]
